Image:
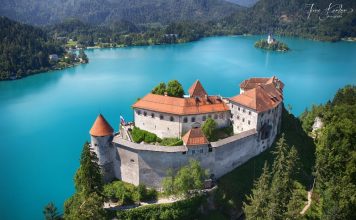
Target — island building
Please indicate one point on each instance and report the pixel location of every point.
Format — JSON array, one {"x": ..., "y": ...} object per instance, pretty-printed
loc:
[
  {"x": 270, "y": 39},
  {"x": 254, "y": 114}
]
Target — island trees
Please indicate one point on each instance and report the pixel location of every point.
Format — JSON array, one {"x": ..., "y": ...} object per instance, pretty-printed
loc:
[{"x": 275, "y": 46}]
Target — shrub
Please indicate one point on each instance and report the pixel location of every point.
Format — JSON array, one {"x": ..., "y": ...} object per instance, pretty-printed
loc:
[
  {"x": 128, "y": 194},
  {"x": 209, "y": 128},
  {"x": 185, "y": 209},
  {"x": 188, "y": 178},
  {"x": 150, "y": 137},
  {"x": 139, "y": 135}
]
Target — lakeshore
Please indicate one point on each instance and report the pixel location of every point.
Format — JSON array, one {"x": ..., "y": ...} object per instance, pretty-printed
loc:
[{"x": 64, "y": 104}]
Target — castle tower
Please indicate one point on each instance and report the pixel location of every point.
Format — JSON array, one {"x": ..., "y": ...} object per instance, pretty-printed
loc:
[{"x": 101, "y": 143}]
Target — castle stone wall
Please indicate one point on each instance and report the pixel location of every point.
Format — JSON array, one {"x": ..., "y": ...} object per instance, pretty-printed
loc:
[{"x": 148, "y": 164}]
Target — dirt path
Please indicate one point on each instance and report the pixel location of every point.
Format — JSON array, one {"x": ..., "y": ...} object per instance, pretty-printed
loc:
[
  {"x": 310, "y": 193},
  {"x": 306, "y": 207}
]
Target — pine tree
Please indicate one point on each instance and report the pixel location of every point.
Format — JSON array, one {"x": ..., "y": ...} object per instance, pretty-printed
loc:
[
  {"x": 257, "y": 205},
  {"x": 296, "y": 202},
  {"x": 284, "y": 168},
  {"x": 88, "y": 178},
  {"x": 50, "y": 212}
]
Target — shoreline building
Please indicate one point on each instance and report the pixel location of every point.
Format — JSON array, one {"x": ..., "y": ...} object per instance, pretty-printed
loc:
[{"x": 254, "y": 114}]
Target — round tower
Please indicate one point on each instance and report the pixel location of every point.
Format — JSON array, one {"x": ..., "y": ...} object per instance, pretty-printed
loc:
[{"x": 101, "y": 143}]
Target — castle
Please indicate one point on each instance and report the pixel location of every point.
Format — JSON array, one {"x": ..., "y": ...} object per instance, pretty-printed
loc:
[{"x": 254, "y": 114}]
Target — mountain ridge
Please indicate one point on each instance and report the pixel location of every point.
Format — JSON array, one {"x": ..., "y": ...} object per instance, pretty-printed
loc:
[{"x": 107, "y": 11}]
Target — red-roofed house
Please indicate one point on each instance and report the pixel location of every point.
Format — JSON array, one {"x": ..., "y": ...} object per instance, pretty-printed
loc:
[
  {"x": 258, "y": 106},
  {"x": 172, "y": 117}
]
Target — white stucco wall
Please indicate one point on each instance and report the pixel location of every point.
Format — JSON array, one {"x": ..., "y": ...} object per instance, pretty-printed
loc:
[
  {"x": 243, "y": 118},
  {"x": 161, "y": 124}
]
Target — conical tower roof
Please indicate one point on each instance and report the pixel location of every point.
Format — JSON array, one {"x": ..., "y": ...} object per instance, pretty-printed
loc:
[
  {"x": 101, "y": 127},
  {"x": 197, "y": 90},
  {"x": 194, "y": 136}
]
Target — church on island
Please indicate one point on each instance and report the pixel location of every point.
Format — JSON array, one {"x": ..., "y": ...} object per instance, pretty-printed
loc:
[{"x": 254, "y": 115}]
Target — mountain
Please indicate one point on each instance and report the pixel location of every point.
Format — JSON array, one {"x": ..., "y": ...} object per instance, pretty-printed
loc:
[
  {"x": 107, "y": 11},
  {"x": 290, "y": 17},
  {"x": 24, "y": 49},
  {"x": 245, "y": 3}
]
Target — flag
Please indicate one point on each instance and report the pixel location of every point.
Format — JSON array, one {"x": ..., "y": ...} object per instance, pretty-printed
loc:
[{"x": 122, "y": 120}]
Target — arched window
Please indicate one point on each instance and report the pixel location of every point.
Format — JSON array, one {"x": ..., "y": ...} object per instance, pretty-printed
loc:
[
  {"x": 192, "y": 119},
  {"x": 185, "y": 119},
  {"x": 161, "y": 117},
  {"x": 138, "y": 112},
  {"x": 171, "y": 118},
  {"x": 144, "y": 113},
  {"x": 152, "y": 115}
]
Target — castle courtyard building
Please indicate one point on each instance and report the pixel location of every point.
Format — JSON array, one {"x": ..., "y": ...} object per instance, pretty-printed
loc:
[{"x": 254, "y": 114}]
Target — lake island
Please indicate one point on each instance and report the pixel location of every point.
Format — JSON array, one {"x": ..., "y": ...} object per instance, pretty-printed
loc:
[{"x": 272, "y": 44}]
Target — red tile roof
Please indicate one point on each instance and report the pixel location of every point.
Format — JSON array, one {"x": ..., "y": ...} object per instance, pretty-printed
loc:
[
  {"x": 260, "y": 98},
  {"x": 181, "y": 106},
  {"x": 101, "y": 127},
  {"x": 197, "y": 90},
  {"x": 194, "y": 136},
  {"x": 198, "y": 103},
  {"x": 254, "y": 82}
]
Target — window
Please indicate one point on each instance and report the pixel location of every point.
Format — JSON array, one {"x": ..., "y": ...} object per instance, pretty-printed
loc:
[
  {"x": 221, "y": 115},
  {"x": 248, "y": 122},
  {"x": 185, "y": 119},
  {"x": 238, "y": 108},
  {"x": 184, "y": 152},
  {"x": 132, "y": 160},
  {"x": 201, "y": 151},
  {"x": 232, "y": 106},
  {"x": 144, "y": 113},
  {"x": 171, "y": 118},
  {"x": 249, "y": 112},
  {"x": 209, "y": 116},
  {"x": 215, "y": 116},
  {"x": 192, "y": 119},
  {"x": 210, "y": 149},
  {"x": 238, "y": 117},
  {"x": 152, "y": 115},
  {"x": 138, "y": 112},
  {"x": 204, "y": 118},
  {"x": 161, "y": 117},
  {"x": 243, "y": 120},
  {"x": 243, "y": 110},
  {"x": 193, "y": 151}
]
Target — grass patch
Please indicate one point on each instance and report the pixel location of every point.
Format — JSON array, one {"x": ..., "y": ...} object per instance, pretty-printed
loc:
[
  {"x": 171, "y": 142},
  {"x": 234, "y": 186}
]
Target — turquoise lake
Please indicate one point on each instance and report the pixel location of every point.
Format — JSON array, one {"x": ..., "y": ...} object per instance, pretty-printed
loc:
[{"x": 45, "y": 118}]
